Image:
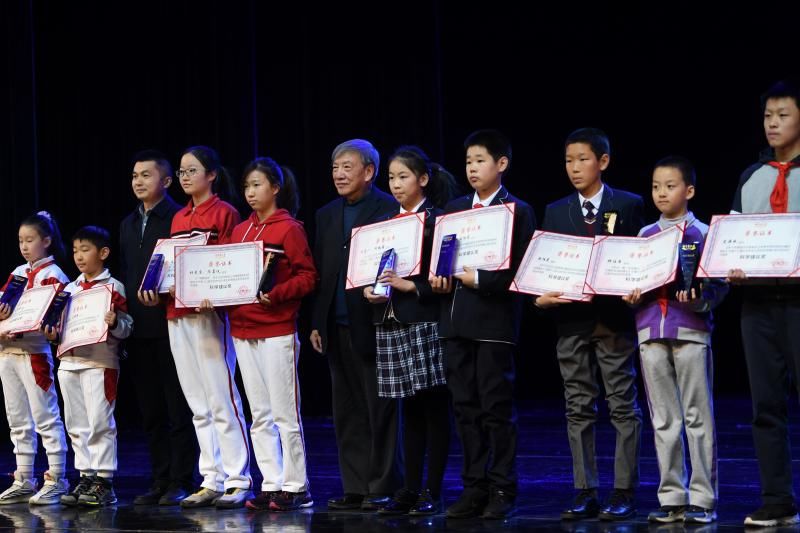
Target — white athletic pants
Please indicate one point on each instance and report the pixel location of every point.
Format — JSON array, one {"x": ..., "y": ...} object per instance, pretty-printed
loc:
[
  {"x": 269, "y": 373},
  {"x": 206, "y": 362},
  {"x": 90, "y": 395},
  {"x": 31, "y": 405}
]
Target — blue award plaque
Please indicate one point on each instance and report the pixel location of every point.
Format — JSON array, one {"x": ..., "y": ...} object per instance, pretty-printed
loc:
[
  {"x": 688, "y": 258},
  {"x": 57, "y": 306},
  {"x": 13, "y": 292},
  {"x": 152, "y": 276},
  {"x": 388, "y": 260},
  {"x": 447, "y": 256}
]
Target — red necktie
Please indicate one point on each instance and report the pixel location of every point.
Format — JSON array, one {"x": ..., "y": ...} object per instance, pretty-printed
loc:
[
  {"x": 663, "y": 300},
  {"x": 477, "y": 206},
  {"x": 779, "y": 199},
  {"x": 32, "y": 274}
]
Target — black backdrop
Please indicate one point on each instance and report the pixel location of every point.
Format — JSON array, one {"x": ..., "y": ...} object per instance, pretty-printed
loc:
[{"x": 88, "y": 84}]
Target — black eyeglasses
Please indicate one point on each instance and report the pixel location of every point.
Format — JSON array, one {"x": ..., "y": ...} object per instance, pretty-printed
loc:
[{"x": 190, "y": 172}]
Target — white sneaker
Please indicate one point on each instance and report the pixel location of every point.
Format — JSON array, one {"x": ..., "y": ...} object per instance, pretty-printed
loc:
[
  {"x": 233, "y": 498},
  {"x": 202, "y": 498},
  {"x": 51, "y": 491},
  {"x": 20, "y": 490}
]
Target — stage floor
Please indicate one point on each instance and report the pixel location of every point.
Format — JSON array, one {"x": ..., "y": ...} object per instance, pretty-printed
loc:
[{"x": 545, "y": 486}]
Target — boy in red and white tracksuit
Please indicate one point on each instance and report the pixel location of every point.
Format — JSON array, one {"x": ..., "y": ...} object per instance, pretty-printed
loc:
[
  {"x": 267, "y": 346},
  {"x": 88, "y": 376},
  {"x": 31, "y": 400}
]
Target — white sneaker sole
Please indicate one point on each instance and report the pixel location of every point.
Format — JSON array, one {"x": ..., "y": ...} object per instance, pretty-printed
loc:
[
  {"x": 783, "y": 521},
  {"x": 22, "y": 498}
]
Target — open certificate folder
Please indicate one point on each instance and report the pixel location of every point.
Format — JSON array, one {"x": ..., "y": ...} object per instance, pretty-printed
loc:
[
  {"x": 483, "y": 236},
  {"x": 224, "y": 274},
  {"x": 85, "y": 318},
  {"x": 30, "y": 310},
  {"x": 621, "y": 264},
  {"x": 555, "y": 262},
  {"x": 763, "y": 246},
  {"x": 368, "y": 243}
]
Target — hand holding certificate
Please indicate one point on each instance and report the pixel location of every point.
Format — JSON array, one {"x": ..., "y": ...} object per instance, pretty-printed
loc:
[
  {"x": 368, "y": 243},
  {"x": 30, "y": 310},
  {"x": 555, "y": 262},
  {"x": 762, "y": 245},
  {"x": 85, "y": 318},
  {"x": 620, "y": 265},
  {"x": 483, "y": 237},
  {"x": 166, "y": 247},
  {"x": 225, "y": 274}
]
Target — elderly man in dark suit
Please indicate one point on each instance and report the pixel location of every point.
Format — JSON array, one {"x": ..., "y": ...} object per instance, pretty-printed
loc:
[{"x": 366, "y": 426}]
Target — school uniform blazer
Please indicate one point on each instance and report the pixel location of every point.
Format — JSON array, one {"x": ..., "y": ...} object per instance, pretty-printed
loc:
[
  {"x": 331, "y": 251},
  {"x": 491, "y": 312},
  {"x": 423, "y": 305},
  {"x": 135, "y": 251},
  {"x": 565, "y": 216}
]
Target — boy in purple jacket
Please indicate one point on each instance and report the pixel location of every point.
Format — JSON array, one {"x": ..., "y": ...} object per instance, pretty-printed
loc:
[{"x": 674, "y": 329}]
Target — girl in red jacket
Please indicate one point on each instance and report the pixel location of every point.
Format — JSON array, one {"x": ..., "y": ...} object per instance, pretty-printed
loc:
[
  {"x": 265, "y": 336},
  {"x": 202, "y": 347}
]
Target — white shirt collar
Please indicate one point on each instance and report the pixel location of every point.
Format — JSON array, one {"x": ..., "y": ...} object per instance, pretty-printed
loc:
[
  {"x": 416, "y": 207},
  {"x": 40, "y": 262},
  {"x": 594, "y": 199},
  {"x": 105, "y": 274},
  {"x": 488, "y": 201}
]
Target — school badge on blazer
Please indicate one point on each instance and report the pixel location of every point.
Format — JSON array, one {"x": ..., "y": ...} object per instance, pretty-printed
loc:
[{"x": 610, "y": 220}]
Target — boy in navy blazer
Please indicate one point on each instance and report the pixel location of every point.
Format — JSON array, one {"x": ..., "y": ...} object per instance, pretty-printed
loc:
[
  {"x": 597, "y": 334},
  {"x": 480, "y": 324}
]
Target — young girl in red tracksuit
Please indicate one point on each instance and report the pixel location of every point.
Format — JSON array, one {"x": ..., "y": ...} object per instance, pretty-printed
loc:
[
  {"x": 265, "y": 336},
  {"x": 202, "y": 348}
]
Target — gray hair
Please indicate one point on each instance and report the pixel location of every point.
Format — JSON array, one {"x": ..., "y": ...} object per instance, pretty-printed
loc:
[{"x": 369, "y": 155}]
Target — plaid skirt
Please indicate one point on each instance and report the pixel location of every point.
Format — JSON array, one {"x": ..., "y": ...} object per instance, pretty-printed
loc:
[{"x": 409, "y": 358}]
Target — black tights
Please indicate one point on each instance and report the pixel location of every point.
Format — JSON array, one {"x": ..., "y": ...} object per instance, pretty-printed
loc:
[{"x": 426, "y": 426}]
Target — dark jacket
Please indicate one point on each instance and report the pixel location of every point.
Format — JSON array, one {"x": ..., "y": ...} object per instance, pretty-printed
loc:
[
  {"x": 331, "y": 251},
  {"x": 422, "y": 306},
  {"x": 565, "y": 216},
  {"x": 135, "y": 251},
  {"x": 491, "y": 312}
]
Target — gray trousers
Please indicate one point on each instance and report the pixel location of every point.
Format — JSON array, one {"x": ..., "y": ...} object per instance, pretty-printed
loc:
[
  {"x": 678, "y": 377},
  {"x": 579, "y": 358}
]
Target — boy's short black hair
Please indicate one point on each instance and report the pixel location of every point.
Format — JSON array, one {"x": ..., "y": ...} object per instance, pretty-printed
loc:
[
  {"x": 94, "y": 234},
  {"x": 161, "y": 161},
  {"x": 495, "y": 143},
  {"x": 594, "y": 137},
  {"x": 781, "y": 89},
  {"x": 682, "y": 165}
]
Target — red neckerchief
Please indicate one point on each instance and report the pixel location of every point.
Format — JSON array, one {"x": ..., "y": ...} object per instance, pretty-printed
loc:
[
  {"x": 32, "y": 273},
  {"x": 779, "y": 199}
]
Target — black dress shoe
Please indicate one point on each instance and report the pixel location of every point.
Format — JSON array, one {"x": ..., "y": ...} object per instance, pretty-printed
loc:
[
  {"x": 173, "y": 496},
  {"x": 400, "y": 504},
  {"x": 150, "y": 497},
  {"x": 375, "y": 502},
  {"x": 620, "y": 506},
  {"x": 501, "y": 505},
  {"x": 470, "y": 504},
  {"x": 346, "y": 502},
  {"x": 586, "y": 505},
  {"x": 426, "y": 505}
]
